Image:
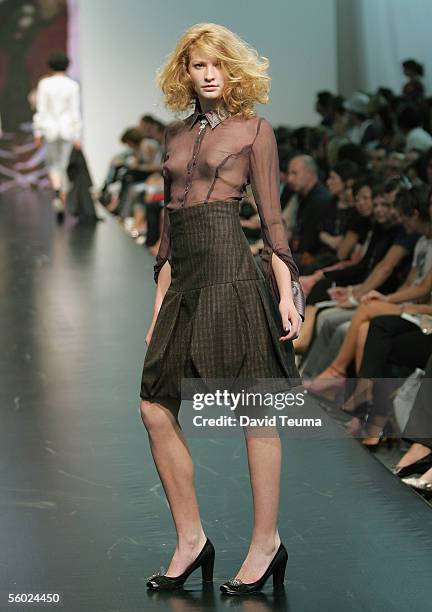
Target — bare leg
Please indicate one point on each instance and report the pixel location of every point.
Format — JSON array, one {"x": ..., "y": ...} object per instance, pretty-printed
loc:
[
  {"x": 55, "y": 179},
  {"x": 415, "y": 452},
  {"x": 365, "y": 312},
  {"x": 175, "y": 468},
  {"x": 264, "y": 458},
  {"x": 374, "y": 429},
  {"x": 361, "y": 341},
  {"x": 364, "y": 387}
]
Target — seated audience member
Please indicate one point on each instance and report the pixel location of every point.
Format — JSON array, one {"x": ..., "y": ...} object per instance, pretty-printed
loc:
[
  {"x": 398, "y": 259},
  {"x": 128, "y": 158},
  {"x": 392, "y": 341},
  {"x": 409, "y": 120},
  {"x": 358, "y": 195},
  {"x": 314, "y": 204},
  {"x": 334, "y": 227},
  {"x": 414, "y": 72},
  {"x": 128, "y": 173},
  {"x": 416, "y": 213},
  {"x": 361, "y": 129},
  {"x": 355, "y": 241},
  {"x": 380, "y": 268},
  {"x": 148, "y": 160}
]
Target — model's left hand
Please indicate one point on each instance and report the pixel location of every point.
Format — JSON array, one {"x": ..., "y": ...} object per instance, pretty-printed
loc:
[{"x": 291, "y": 319}]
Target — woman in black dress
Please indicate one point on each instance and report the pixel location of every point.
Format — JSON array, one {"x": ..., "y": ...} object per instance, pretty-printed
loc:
[{"x": 216, "y": 314}]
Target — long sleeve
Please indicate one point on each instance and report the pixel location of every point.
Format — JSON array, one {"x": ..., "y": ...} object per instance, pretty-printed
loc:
[
  {"x": 76, "y": 122},
  {"x": 164, "y": 252},
  {"x": 264, "y": 180},
  {"x": 39, "y": 118}
]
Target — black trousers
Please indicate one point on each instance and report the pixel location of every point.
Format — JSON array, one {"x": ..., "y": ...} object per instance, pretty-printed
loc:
[{"x": 391, "y": 342}]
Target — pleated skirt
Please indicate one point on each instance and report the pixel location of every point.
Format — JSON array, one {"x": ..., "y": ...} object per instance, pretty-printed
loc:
[{"x": 218, "y": 318}]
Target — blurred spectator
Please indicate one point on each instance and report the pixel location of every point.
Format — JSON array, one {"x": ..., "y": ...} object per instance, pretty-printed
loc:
[
  {"x": 314, "y": 203},
  {"x": 414, "y": 72},
  {"x": 361, "y": 129},
  {"x": 324, "y": 106},
  {"x": 409, "y": 121}
]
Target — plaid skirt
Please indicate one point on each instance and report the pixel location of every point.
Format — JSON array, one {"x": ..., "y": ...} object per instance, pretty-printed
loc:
[{"x": 218, "y": 319}]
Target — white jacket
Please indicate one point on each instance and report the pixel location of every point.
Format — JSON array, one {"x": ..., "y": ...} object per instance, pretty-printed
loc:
[{"x": 57, "y": 109}]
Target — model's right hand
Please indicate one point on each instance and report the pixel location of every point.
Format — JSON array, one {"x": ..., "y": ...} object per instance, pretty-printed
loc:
[{"x": 38, "y": 141}]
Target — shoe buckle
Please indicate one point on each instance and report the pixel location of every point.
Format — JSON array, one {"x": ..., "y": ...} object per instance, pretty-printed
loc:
[{"x": 235, "y": 582}]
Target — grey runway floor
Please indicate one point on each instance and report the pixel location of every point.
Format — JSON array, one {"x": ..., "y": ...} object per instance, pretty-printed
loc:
[{"x": 83, "y": 513}]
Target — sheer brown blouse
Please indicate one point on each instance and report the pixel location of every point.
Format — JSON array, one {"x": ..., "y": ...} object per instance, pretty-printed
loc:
[{"x": 210, "y": 157}]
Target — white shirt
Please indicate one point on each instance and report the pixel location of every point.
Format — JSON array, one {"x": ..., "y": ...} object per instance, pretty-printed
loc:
[
  {"x": 419, "y": 139},
  {"x": 57, "y": 109}
]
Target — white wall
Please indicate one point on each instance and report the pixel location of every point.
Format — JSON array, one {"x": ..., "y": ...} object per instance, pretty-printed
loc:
[
  {"x": 375, "y": 36},
  {"x": 123, "y": 42}
]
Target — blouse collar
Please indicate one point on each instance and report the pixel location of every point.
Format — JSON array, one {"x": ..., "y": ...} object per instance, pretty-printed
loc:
[{"x": 213, "y": 117}]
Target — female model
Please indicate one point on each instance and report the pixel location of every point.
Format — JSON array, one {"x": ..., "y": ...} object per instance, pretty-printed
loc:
[{"x": 212, "y": 314}]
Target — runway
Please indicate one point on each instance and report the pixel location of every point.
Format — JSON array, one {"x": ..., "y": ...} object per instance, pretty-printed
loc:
[{"x": 83, "y": 513}]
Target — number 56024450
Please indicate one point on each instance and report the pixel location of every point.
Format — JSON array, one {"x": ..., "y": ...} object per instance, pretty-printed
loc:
[{"x": 29, "y": 598}]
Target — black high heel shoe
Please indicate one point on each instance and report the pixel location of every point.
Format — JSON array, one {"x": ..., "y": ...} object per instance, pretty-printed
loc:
[
  {"x": 382, "y": 439},
  {"x": 276, "y": 567},
  {"x": 418, "y": 467},
  {"x": 205, "y": 560}
]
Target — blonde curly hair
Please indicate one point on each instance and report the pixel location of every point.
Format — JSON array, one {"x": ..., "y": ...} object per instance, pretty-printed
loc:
[{"x": 245, "y": 72}]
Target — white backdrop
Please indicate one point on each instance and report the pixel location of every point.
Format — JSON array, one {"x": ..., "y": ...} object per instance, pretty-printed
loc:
[
  {"x": 375, "y": 36},
  {"x": 124, "y": 42}
]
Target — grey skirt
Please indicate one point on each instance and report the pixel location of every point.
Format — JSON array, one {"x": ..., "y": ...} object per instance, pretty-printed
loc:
[{"x": 218, "y": 319}]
